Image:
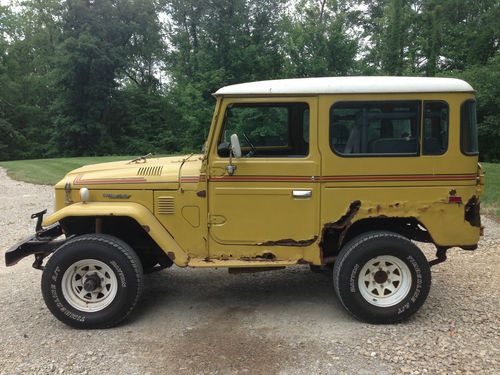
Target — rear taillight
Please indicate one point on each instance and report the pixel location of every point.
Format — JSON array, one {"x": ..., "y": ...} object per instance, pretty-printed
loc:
[{"x": 454, "y": 199}]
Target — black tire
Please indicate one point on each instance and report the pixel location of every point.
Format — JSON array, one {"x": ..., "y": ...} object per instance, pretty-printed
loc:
[
  {"x": 358, "y": 255},
  {"x": 117, "y": 257}
]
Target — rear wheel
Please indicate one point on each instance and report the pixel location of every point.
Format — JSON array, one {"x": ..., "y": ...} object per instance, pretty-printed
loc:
[
  {"x": 92, "y": 281},
  {"x": 381, "y": 277}
]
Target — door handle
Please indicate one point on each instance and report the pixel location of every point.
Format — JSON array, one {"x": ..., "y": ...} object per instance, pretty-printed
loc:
[{"x": 301, "y": 193}]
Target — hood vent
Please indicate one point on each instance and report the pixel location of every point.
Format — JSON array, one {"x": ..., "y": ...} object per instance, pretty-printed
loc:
[
  {"x": 166, "y": 205},
  {"x": 150, "y": 171}
]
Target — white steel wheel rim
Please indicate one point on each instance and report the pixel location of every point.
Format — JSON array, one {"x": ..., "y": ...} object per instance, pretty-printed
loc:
[
  {"x": 77, "y": 296},
  {"x": 384, "y": 281}
]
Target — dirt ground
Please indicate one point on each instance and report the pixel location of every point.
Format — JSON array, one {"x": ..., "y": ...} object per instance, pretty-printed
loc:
[{"x": 280, "y": 322}]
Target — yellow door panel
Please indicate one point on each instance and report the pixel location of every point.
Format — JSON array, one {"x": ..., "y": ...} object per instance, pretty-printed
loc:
[{"x": 260, "y": 214}]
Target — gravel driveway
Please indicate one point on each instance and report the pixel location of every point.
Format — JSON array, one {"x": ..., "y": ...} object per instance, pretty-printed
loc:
[{"x": 280, "y": 322}]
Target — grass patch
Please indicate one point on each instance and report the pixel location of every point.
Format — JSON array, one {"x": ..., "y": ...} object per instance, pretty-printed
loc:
[
  {"x": 50, "y": 171},
  {"x": 490, "y": 201}
]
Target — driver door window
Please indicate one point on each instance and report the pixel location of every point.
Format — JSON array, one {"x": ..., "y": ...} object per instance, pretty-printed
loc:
[
  {"x": 267, "y": 130},
  {"x": 270, "y": 194}
]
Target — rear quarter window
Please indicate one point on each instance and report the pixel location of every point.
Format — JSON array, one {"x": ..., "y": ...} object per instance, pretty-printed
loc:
[
  {"x": 435, "y": 131},
  {"x": 468, "y": 128}
]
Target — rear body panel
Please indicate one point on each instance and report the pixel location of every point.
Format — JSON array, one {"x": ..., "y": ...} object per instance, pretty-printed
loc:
[{"x": 407, "y": 186}]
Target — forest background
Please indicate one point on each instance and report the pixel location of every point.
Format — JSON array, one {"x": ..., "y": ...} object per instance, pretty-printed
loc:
[{"x": 128, "y": 77}]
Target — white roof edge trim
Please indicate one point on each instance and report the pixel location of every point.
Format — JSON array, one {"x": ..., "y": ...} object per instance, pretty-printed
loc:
[{"x": 348, "y": 85}]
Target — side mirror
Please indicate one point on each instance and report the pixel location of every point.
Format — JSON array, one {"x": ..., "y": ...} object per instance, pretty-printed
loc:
[{"x": 235, "y": 146}]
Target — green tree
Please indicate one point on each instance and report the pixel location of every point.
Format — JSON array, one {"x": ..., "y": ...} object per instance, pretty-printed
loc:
[
  {"x": 317, "y": 42},
  {"x": 213, "y": 44},
  {"x": 101, "y": 41},
  {"x": 27, "y": 40},
  {"x": 394, "y": 38},
  {"x": 112, "y": 76}
]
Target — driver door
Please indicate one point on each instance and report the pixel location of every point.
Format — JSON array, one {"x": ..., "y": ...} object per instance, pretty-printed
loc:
[{"x": 272, "y": 196}]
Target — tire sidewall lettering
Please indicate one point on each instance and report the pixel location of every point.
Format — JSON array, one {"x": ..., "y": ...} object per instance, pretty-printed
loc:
[
  {"x": 418, "y": 278},
  {"x": 353, "y": 280},
  {"x": 55, "y": 289},
  {"x": 119, "y": 272},
  {"x": 56, "y": 273}
]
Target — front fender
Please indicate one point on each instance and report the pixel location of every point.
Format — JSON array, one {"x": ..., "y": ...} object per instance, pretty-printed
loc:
[{"x": 139, "y": 213}]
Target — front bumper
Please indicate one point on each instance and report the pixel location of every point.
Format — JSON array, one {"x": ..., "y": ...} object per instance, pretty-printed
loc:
[{"x": 40, "y": 244}]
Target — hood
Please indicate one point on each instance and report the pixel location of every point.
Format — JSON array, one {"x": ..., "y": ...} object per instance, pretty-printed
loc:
[{"x": 164, "y": 173}]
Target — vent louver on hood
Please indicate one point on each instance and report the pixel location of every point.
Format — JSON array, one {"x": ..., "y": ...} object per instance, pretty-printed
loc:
[
  {"x": 166, "y": 205},
  {"x": 150, "y": 171}
]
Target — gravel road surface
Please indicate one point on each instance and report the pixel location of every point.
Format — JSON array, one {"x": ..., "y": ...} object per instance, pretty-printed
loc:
[{"x": 281, "y": 322}]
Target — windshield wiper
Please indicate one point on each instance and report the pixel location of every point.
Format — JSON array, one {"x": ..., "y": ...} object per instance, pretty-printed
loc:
[{"x": 141, "y": 158}]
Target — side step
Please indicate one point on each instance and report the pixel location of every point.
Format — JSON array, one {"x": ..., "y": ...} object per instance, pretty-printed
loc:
[{"x": 238, "y": 263}]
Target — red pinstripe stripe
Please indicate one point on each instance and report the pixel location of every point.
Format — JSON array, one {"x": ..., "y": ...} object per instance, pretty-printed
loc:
[
  {"x": 261, "y": 178},
  {"x": 130, "y": 180},
  {"x": 79, "y": 181},
  {"x": 367, "y": 178},
  {"x": 399, "y": 178},
  {"x": 359, "y": 178}
]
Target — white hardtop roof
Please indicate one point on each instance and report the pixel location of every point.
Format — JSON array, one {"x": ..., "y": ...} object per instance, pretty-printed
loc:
[{"x": 347, "y": 85}]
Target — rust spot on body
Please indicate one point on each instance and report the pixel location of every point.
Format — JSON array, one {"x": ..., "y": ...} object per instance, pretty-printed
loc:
[
  {"x": 346, "y": 220},
  {"x": 423, "y": 208},
  {"x": 303, "y": 261},
  {"x": 341, "y": 225},
  {"x": 266, "y": 257},
  {"x": 472, "y": 212},
  {"x": 289, "y": 242}
]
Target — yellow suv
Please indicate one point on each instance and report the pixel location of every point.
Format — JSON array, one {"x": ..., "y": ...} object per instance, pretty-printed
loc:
[{"x": 344, "y": 173}]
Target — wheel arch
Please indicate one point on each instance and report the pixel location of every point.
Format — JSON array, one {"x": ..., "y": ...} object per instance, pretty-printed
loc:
[
  {"x": 335, "y": 237},
  {"x": 124, "y": 228},
  {"x": 115, "y": 219}
]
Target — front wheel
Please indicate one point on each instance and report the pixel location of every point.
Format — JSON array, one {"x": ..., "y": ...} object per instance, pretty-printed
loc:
[
  {"x": 381, "y": 277},
  {"x": 92, "y": 281}
]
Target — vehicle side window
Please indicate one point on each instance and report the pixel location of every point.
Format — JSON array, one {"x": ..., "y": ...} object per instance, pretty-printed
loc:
[
  {"x": 468, "y": 128},
  {"x": 305, "y": 128},
  {"x": 435, "y": 133},
  {"x": 267, "y": 130},
  {"x": 375, "y": 128}
]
